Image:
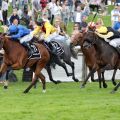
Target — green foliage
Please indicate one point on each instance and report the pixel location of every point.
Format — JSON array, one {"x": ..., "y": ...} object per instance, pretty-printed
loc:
[{"x": 65, "y": 101}]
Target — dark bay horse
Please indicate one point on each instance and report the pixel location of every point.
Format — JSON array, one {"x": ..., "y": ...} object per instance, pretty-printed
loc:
[
  {"x": 91, "y": 59},
  {"x": 16, "y": 57},
  {"x": 107, "y": 56}
]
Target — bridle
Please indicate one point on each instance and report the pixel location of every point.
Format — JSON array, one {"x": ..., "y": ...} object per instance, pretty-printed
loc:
[{"x": 87, "y": 44}]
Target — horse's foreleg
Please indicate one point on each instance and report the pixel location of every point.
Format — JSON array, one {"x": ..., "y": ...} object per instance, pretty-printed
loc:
[
  {"x": 38, "y": 69},
  {"x": 50, "y": 75},
  {"x": 113, "y": 77},
  {"x": 71, "y": 64},
  {"x": 34, "y": 81},
  {"x": 90, "y": 73},
  {"x": 103, "y": 80},
  {"x": 99, "y": 78},
  {"x": 116, "y": 88}
]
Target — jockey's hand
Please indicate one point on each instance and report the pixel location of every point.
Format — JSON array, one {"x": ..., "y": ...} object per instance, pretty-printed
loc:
[{"x": 7, "y": 36}]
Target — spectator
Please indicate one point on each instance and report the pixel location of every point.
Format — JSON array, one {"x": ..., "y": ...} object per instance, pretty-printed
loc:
[
  {"x": 83, "y": 24},
  {"x": 4, "y": 11},
  {"x": 77, "y": 15},
  {"x": 65, "y": 12},
  {"x": 118, "y": 2},
  {"x": 0, "y": 3},
  {"x": 117, "y": 25},
  {"x": 114, "y": 15},
  {"x": 14, "y": 16},
  {"x": 36, "y": 7},
  {"x": 52, "y": 6},
  {"x": 43, "y": 3},
  {"x": 1, "y": 17},
  {"x": 76, "y": 30},
  {"x": 94, "y": 4},
  {"x": 58, "y": 9}
]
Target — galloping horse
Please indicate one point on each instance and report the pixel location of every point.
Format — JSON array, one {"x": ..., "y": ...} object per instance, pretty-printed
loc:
[
  {"x": 91, "y": 58},
  {"x": 16, "y": 57},
  {"x": 107, "y": 56}
]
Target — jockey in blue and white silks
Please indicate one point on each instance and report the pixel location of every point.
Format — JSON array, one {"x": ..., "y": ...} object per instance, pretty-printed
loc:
[{"x": 22, "y": 34}]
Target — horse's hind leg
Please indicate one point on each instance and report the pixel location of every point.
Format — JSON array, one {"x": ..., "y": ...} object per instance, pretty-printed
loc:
[
  {"x": 113, "y": 77},
  {"x": 34, "y": 81},
  {"x": 71, "y": 64},
  {"x": 58, "y": 62},
  {"x": 50, "y": 75},
  {"x": 116, "y": 88}
]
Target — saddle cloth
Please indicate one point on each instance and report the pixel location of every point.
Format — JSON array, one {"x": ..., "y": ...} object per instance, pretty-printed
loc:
[
  {"x": 58, "y": 47},
  {"x": 36, "y": 54}
]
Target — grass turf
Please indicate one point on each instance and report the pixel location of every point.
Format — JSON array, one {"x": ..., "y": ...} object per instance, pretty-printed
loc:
[{"x": 65, "y": 101}]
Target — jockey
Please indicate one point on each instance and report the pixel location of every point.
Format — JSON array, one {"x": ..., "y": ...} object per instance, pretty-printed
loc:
[
  {"x": 18, "y": 33},
  {"x": 50, "y": 32},
  {"x": 100, "y": 28}
]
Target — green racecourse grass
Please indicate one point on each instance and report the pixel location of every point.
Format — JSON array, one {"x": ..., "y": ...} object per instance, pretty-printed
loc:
[{"x": 65, "y": 101}]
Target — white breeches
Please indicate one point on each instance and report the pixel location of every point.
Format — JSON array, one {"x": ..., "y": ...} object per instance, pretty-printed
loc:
[
  {"x": 115, "y": 42},
  {"x": 26, "y": 38},
  {"x": 55, "y": 36}
]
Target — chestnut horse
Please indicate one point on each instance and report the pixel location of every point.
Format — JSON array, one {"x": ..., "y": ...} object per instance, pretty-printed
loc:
[
  {"x": 16, "y": 57},
  {"x": 91, "y": 59}
]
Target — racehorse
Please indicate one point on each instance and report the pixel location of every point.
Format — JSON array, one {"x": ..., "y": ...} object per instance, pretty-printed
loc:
[
  {"x": 16, "y": 57},
  {"x": 66, "y": 57},
  {"x": 91, "y": 58},
  {"x": 107, "y": 56}
]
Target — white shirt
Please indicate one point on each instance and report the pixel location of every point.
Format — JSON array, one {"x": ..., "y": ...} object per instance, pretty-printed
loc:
[
  {"x": 4, "y": 6},
  {"x": 78, "y": 17},
  {"x": 52, "y": 7},
  {"x": 1, "y": 17},
  {"x": 114, "y": 18}
]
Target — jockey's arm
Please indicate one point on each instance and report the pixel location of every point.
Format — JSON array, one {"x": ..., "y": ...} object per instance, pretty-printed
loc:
[
  {"x": 18, "y": 35},
  {"x": 48, "y": 30},
  {"x": 36, "y": 30}
]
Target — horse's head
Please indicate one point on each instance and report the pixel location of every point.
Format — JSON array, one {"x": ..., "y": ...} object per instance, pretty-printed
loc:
[
  {"x": 89, "y": 39},
  {"x": 77, "y": 39}
]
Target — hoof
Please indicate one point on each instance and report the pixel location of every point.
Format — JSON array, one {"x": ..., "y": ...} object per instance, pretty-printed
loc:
[
  {"x": 5, "y": 87},
  {"x": 58, "y": 81},
  {"x": 25, "y": 91},
  {"x": 75, "y": 79},
  {"x": 82, "y": 86},
  {"x": 105, "y": 85},
  {"x": 44, "y": 91},
  {"x": 112, "y": 92}
]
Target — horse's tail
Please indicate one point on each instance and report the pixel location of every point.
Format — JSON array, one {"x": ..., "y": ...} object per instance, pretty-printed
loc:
[{"x": 73, "y": 52}]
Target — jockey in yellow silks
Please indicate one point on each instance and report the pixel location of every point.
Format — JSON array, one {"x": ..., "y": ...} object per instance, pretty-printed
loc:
[{"x": 46, "y": 27}]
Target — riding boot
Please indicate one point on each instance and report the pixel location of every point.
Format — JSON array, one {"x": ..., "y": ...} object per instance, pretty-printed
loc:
[
  {"x": 118, "y": 50},
  {"x": 30, "y": 51}
]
